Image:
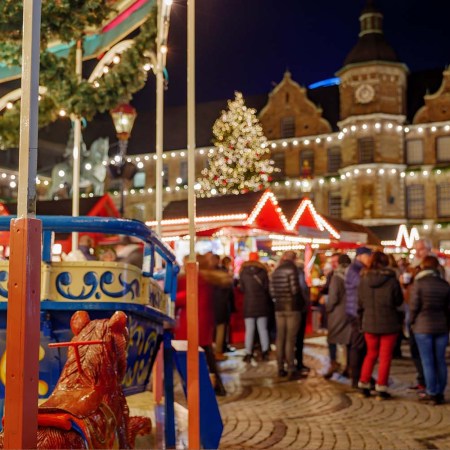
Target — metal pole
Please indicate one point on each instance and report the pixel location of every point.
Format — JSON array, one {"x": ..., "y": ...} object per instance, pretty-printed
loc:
[
  {"x": 159, "y": 126},
  {"x": 123, "y": 146},
  {"x": 193, "y": 380},
  {"x": 22, "y": 334},
  {"x": 77, "y": 148},
  {"x": 191, "y": 124}
]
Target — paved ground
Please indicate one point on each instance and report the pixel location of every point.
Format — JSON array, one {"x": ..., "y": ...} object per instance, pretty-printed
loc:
[
  {"x": 262, "y": 411},
  {"x": 312, "y": 413}
]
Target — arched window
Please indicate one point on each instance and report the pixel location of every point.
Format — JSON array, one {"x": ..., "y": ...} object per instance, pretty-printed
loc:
[
  {"x": 306, "y": 162},
  {"x": 366, "y": 150},
  {"x": 288, "y": 127},
  {"x": 334, "y": 159},
  {"x": 415, "y": 201}
]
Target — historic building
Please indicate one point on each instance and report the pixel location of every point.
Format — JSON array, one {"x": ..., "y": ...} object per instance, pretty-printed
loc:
[{"x": 364, "y": 155}]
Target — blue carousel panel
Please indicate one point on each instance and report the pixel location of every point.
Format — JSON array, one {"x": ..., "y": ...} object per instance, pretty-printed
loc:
[{"x": 142, "y": 348}]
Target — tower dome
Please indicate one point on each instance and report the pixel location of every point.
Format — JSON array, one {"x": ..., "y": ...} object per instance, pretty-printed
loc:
[{"x": 371, "y": 45}]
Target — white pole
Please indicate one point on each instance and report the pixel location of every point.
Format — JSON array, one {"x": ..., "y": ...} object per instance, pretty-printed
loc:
[
  {"x": 76, "y": 148},
  {"x": 159, "y": 124},
  {"x": 191, "y": 125},
  {"x": 29, "y": 111}
]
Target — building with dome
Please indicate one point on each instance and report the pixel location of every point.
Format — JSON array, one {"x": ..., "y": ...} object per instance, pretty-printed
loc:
[{"x": 373, "y": 148}]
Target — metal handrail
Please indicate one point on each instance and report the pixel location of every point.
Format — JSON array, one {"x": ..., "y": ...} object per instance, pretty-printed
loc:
[{"x": 109, "y": 225}]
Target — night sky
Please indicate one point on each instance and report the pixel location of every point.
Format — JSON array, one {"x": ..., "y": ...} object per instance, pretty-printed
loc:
[{"x": 248, "y": 44}]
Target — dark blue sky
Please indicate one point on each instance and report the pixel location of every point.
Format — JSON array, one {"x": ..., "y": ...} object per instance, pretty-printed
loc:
[{"x": 247, "y": 44}]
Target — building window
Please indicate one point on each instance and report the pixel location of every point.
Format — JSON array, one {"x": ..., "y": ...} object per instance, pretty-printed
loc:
[
  {"x": 165, "y": 175},
  {"x": 287, "y": 127},
  {"x": 139, "y": 180},
  {"x": 334, "y": 159},
  {"x": 443, "y": 149},
  {"x": 443, "y": 200},
  {"x": 415, "y": 198},
  {"x": 414, "y": 152},
  {"x": 306, "y": 163},
  {"x": 334, "y": 204},
  {"x": 278, "y": 159},
  {"x": 183, "y": 171},
  {"x": 366, "y": 149}
]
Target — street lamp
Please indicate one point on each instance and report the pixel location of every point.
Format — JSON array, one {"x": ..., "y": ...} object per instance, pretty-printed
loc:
[{"x": 123, "y": 117}]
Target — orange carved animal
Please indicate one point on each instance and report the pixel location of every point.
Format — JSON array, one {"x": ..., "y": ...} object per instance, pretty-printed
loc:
[{"x": 88, "y": 409}]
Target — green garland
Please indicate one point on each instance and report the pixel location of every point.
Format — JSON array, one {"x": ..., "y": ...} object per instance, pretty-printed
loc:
[{"x": 57, "y": 74}]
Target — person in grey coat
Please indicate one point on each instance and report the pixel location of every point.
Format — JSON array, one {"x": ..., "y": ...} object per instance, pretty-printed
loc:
[
  {"x": 339, "y": 328},
  {"x": 430, "y": 313}
]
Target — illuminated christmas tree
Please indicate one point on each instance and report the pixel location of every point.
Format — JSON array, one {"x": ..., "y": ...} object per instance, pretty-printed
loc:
[{"x": 240, "y": 160}]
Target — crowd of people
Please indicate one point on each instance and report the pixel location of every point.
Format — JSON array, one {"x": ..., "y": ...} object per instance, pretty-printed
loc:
[
  {"x": 374, "y": 302},
  {"x": 369, "y": 306}
]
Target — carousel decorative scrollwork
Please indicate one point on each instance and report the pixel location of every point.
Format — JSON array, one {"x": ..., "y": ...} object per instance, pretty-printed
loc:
[
  {"x": 94, "y": 286},
  {"x": 107, "y": 278},
  {"x": 64, "y": 280}
]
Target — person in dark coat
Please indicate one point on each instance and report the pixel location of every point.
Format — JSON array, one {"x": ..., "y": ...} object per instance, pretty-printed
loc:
[
  {"x": 287, "y": 295},
  {"x": 430, "y": 313},
  {"x": 223, "y": 298},
  {"x": 254, "y": 283},
  {"x": 339, "y": 329},
  {"x": 300, "y": 339},
  {"x": 379, "y": 300},
  {"x": 357, "y": 343}
]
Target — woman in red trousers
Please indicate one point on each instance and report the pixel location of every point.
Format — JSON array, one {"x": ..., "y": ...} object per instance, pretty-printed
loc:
[{"x": 379, "y": 300}]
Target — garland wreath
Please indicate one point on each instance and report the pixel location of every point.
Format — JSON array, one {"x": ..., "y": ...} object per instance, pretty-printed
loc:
[{"x": 67, "y": 21}]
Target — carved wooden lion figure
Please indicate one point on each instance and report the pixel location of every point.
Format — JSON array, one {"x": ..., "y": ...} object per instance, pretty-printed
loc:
[{"x": 88, "y": 409}]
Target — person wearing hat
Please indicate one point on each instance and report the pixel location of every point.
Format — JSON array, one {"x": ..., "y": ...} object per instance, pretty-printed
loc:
[{"x": 357, "y": 344}]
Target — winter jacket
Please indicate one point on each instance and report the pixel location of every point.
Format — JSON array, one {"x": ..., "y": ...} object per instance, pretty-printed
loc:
[
  {"x": 254, "y": 283},
  {"x": 379, "y": 300},
  {"x": 339, "y": 328},
  {"x": 285, "y": 288},
  {"x": 223, "y": 299},
  {"x": 205, "y": 311},
  {"x": 430, "y": 303},
  {"x": 351, "y": 287}
]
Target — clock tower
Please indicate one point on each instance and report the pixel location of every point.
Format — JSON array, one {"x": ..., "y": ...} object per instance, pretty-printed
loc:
[
  {"x": 372, "y": 114},
  {"x": 372, "y": 79}
]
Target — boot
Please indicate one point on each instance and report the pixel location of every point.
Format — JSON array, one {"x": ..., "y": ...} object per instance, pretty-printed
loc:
[{"x": 334, "y": 366}]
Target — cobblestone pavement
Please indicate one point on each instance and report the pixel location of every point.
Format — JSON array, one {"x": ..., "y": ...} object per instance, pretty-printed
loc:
[{"x": 262, "y": 411}]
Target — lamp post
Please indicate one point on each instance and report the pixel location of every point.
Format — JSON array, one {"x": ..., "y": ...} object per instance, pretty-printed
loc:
[{"x": 123, "y": 117}]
